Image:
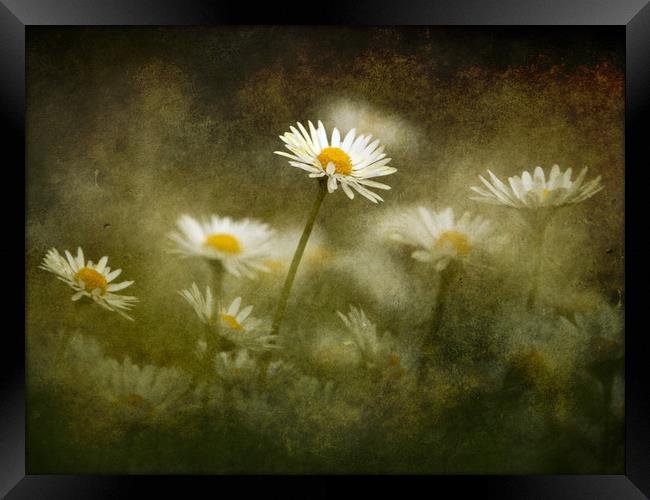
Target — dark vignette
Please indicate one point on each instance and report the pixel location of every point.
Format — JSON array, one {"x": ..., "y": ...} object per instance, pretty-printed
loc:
[{"x": 637, "y": 417}]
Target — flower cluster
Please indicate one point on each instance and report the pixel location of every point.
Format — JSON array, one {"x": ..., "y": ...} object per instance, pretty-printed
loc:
[{"x": 242, "y": 359}]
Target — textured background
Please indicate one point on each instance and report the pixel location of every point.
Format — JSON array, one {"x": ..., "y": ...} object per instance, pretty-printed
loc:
[{"x": 129, "y": 128}]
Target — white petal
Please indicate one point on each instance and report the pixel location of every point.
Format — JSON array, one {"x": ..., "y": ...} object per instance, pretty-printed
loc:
[
  {"x": 347, "y": 190},
  {"x": 234, "y": 307},
  {"x": 243, "y": 314},
  {"x": 111, "y": 276},
  {"x": 101, "y": 265},
  {"x": 555, "y": 174},
  {"x": 322, "y": 135},
  {"x": 347, "y": 142},
  {"x": 80, "y": 257},
  {"x": 336, "y": 138},
  {"x": 119, "y": 286},
  {"x": 538, "y": 178}
]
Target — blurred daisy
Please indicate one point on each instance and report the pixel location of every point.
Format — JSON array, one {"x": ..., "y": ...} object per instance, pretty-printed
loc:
[
  {"x": 600, "y": 333},
  {"x": 203, "y": 306},
  {"x": 80, "y": 355},
  {"x": 376, "y": 351},
  {"x": 317, "y": 253},
  {"x": 90, "y": 280},
  {"x": 364, "y": 332},
  {"x": 142, "y": 392},
  {"x": 234, "y": 323},
  {"x": 437, "y": 237},
  {"x": 83, "y": 352},
  {"x": 351, "y": 161},
  {"x": 334, "y": 353},
  {"x": 235, "y": 366},
  {"x": 241, "y": 246},
  {"x": 535, "y": 191}
]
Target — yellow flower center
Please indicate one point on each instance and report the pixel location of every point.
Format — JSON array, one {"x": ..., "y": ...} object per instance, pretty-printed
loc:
[
  {"x": 139, "y": 404},
  {"x": 338, "y": 157},
  {"x": 224, "y": 243},
  {"x": 92, "y": 279},
  {"x": 455, "y": 239},
  {"x": 134, "y": 400},
  {"x": 231, "y": 321},
  {"x": 545, "y": 193}
]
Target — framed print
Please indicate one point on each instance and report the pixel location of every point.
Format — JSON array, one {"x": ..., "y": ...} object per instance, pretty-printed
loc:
[{"x": 392, "y": 241}]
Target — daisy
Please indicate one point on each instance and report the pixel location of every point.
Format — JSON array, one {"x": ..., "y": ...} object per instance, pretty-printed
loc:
[
  {"x": 363, "y": 330},
  {"x": 235, "y": 366},
  {"x": 352, "y": 161},
  {"x": 233, "y": 323},
  {"x": 535, "y": 191},
  {"x": 142, "y": 392},
  {"x": 375, "y": 350},
  {"x": 436, "y": 237},
  {"x": 241, "y": 246},
  {"x": 90, "y": 280}
]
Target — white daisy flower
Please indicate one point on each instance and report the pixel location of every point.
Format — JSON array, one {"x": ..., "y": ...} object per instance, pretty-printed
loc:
[
  {"x": 437, "y": 237},
  {"x": 352, "y": 161},
  {"x": 241, "y": 246},
  {"x": 363, "y": 330},
  {"x": 236, "y": 366},
  {"x": 142, "y": 392},
  {"x": 535, "y": 191},
  {"x": 90, "y": 280},
  {"x": 203, "y": 306},
  {"x": 235, "y": 323},
  {"x": 376, "y": 350}
]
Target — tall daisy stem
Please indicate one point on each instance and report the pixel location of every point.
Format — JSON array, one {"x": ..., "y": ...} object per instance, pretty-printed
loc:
[
  {"x": 448, "y": 276},
  {"x": 538, "y": 224},
  {"x": 217, "y": 279},
  {"x": 214, "y": 340},
  {"x": 297, "y": 256}
]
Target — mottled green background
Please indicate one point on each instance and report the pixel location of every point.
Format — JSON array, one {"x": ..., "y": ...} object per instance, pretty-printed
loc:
[{"x": 127, "y": 128}]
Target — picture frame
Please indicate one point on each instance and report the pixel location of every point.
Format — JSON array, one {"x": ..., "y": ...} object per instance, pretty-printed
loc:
[{"x": 632, "y": 16}]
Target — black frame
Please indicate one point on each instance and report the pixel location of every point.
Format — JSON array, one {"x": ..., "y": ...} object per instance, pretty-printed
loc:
[{"x": 15, "y": 15}]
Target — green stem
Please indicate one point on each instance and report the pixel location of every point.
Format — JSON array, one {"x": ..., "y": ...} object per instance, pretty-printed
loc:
[
  {"x": 217, "y": 289},
  {"x": 74, "y": 318},
  {"x": 297, "y": 256},
  {"x": 538, "y": 222},
  {"x": 448, "y": 276},
  {"x": 205, "y": 369}
]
